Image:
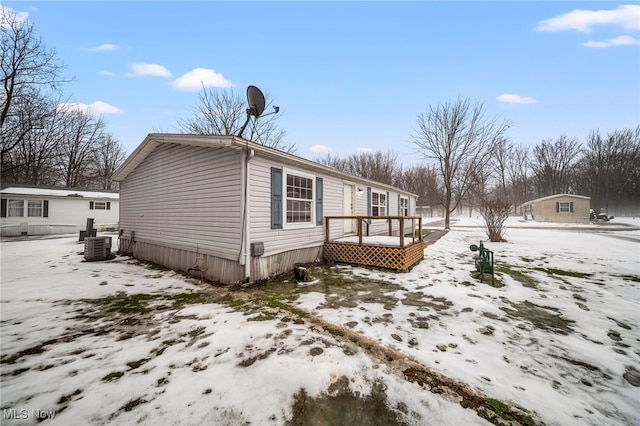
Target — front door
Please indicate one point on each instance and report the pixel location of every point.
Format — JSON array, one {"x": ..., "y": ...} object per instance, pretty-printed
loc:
[{"x": 349, "y": 208}]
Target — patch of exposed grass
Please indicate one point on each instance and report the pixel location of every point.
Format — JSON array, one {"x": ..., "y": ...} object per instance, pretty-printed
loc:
[
  {"x": 633, "y": 278},
  {"x": 66, "y": 398},
  {"x": 542, "y": 317},
  {"x": 111, "y": 377},
  {"x": 504, "y": 412},
  {"x": 133, "y": 404},
  {"x": 136, "y": 364},
  {"x": 555, "y": 271},
  {"x": 125, "y": 304},
  {"x": 339, "y": 405},
  {"x": 518, "y": 275}
]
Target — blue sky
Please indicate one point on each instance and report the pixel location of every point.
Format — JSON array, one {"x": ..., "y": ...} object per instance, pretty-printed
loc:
[{"x": 352, "y": 76}]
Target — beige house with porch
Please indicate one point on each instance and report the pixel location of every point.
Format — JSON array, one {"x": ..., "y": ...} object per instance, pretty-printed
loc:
[{"x": 567, "y": 208}]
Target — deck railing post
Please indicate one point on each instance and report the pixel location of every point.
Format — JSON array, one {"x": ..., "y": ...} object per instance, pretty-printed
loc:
[
  {"x": 360, "y": 230},
  {"x": 402, "y": 233},
  {"x": 326, "y": 230}
]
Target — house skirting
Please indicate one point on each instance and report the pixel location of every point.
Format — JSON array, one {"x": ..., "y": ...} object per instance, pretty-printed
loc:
[
  {"x": 398, "y": 258},
  {"x": 220, "y": 270},
  {"x": 18, "y": 229}
]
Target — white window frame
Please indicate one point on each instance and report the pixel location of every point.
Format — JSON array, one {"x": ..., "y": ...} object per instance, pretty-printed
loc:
[
  {"x": 564, "y": 207},
  {"x": 404, "y": 206},
  {"x": 15, "y": 202},
  {"x": 31, "y": 204},
  {"x": 102, "y": 204},
  {"x": 379, "y": 205},
  {"x": 291, "y": 225}
]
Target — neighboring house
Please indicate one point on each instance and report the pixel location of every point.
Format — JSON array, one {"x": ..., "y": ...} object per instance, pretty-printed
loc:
[
  {"x": 245, "y": 210},
  {"x": 558, "y": 208},
  {"x": 44, "y": 211}
]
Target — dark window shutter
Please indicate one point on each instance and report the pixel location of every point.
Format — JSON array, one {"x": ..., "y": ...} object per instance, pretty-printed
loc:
[
  {"x": 571, "y": 207},
  {"x": 399, "y": 210},
  {"x": 369, "y": 202},
  {"x": 388, "y": 203},
  {"x": 557, "y": 207},
  {"x": 45, "y": 208},
  {"x": 4, "y": 207},
  {"x": 108, "y": 205},
  {"x": 319, "y": 201},
  {"x": 276, "y": 198},
  {"x": 90, "y": 205}
]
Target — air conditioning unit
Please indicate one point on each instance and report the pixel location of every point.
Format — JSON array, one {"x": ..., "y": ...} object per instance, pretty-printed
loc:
[{"x": 97, "y": 248}]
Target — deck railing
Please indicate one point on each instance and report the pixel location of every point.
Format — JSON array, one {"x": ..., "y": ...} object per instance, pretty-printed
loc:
[
  {"x": 364, "y": 222},
  {"x": 393, "y": 256}
]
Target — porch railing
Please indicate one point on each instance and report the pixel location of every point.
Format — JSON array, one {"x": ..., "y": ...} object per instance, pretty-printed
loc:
[{"x": 364, "y": 222}]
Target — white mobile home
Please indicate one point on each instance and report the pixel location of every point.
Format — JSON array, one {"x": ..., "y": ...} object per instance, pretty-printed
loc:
[
  {"x": 44, "y": 211},
  {"x": 247, "y": 210}
]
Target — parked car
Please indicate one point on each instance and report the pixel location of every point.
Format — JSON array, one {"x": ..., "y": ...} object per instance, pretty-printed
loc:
[{"x": 599, "y": 216}]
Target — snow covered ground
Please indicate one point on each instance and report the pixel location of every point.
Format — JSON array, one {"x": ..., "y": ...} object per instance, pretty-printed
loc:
[{"x": 118, "y": 342}]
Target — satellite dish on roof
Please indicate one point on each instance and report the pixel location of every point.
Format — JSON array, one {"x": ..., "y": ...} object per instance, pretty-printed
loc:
[{"x": 257, "y": 103}]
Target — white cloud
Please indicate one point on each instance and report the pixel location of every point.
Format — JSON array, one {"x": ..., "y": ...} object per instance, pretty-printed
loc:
[
  {"x": 19, "y": 16},
  {"x": 511, "y": 98},
  {"x": 141, "y": 69},
  {"x": 626, "y": 16},
  {"x": 105, "y": 47},
  {"x": 96, "y": 108},
  {"x": 624, "y": 40},
  {"x": 320, "y": 149},
  {"x": 106, "y": 73},
  {"x": 198, "y": 78},
  {"x": 364, "y": 149}
]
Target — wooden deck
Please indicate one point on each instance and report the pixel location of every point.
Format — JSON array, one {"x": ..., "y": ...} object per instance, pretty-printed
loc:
[{"x": 408, "y": 250}]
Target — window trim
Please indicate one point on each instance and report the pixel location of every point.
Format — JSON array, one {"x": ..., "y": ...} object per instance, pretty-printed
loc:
[
  {"x": 564, "y": 206},
  {"x": 285, "y": 197},
  {"x": 22, "y": 202},
  {"x": 404, "y": 210},
  {"x": 41, "y": 208},
  {"x": 382, "y": 208}
]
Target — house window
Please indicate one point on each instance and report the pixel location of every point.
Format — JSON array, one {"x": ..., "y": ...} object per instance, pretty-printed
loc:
[
  {"x": 99, "y": 205},
  {"x": 378, "y": 203},
  {"x": 15, "y": 208},
  {"x": 564, "y": 207},
  {"x": 404, "y": 206},
  {"x": 34, "y": 208},
  {"x": 299, "y": 190}
]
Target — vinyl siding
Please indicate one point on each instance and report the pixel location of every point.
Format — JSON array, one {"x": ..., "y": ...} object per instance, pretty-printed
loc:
[
  {"x": 187, "y": 198},
  {"x": 282, "y": 240},
  {"x": 65, "y": 215}
]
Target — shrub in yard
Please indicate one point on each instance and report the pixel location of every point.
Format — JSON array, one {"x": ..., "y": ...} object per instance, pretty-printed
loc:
[{"x": 495, "y": 211}]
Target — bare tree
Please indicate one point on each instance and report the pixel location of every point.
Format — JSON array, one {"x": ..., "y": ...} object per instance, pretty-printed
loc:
[
  {"x": 108, "y": 155},
  {"x": 456, "y": 137},
  {"x": 82, "y": 132},
  {"x": 608, "y": 171},
  {"x": 223, "y": 112},
  {"x": 26, "y": 67},
  {"x": 519, "y": 175},
  {"x": 381, "y": 166},
  {"x": 422, "y": 181},
  {"x": 495, "y": 212},
  {"x": 552, "y": 165},
  {"x": 33, "y": 161}
]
